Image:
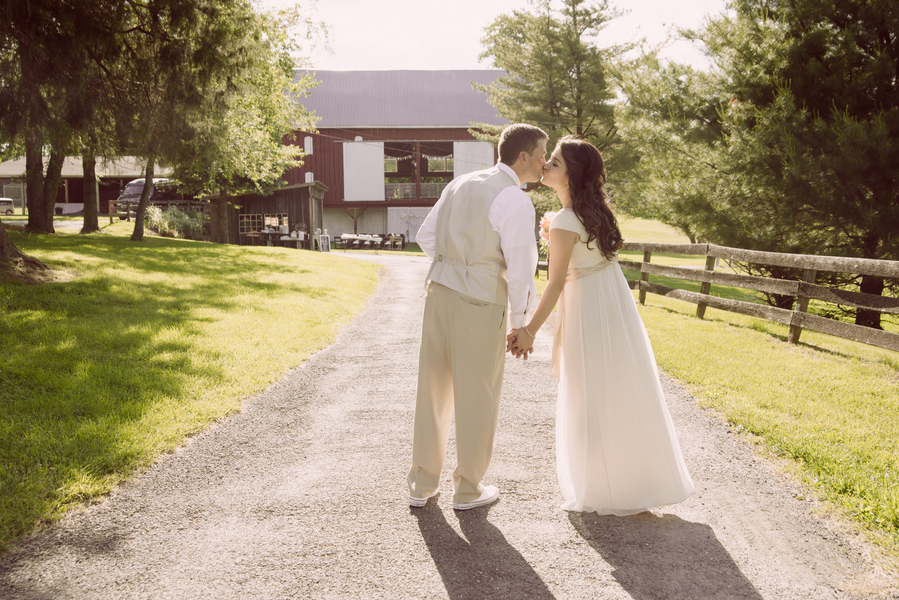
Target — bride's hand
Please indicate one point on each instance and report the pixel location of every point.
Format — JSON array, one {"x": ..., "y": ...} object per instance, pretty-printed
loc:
[{"x": 516, "y": 343}]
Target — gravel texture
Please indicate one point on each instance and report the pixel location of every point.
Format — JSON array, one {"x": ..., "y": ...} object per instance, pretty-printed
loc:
[{"x": 302, "y": 495}]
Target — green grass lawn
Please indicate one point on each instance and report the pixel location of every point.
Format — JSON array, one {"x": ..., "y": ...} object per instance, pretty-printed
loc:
[
  {"x": 830, "y": 406},
  {"x": 142, "y": 345}
]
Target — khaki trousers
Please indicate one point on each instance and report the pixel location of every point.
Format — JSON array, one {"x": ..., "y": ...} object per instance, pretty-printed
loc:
[{"x": 463, "y": 348}]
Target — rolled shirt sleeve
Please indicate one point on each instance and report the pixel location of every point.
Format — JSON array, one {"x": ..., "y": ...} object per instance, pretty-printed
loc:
[
  {"x": 426, "y": 238},
  {"x": 512, "y": 215}
]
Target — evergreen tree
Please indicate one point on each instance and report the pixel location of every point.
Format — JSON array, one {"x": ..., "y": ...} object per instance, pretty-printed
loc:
[
  {"x": 791, "y": 143},
  {"x": 557, "y": 76}
]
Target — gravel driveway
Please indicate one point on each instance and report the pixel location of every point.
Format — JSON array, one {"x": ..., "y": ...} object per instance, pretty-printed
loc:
[{"x": 302, "y": 495}]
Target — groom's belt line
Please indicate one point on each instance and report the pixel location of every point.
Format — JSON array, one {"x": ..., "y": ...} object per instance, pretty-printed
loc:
[{"x": 484, "y": 270}]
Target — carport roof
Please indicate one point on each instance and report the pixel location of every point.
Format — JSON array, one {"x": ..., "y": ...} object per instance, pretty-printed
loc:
[{"x": 125, "y": 166}]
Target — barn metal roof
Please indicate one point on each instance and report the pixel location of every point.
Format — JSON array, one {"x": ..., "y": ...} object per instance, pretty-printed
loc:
[{"x": 401, "y": 99}]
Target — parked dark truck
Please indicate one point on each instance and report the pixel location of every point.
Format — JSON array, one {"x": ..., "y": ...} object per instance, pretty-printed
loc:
[{"x": 164, "y": 193}]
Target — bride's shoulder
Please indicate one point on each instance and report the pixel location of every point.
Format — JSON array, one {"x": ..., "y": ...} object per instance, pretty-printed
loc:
[{"x": 566, "y": 219}]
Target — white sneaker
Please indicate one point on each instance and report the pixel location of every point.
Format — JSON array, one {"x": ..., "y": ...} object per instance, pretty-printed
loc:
[
  {"x": 419, "y": 502},
  {"x": 489, "y": 495}
]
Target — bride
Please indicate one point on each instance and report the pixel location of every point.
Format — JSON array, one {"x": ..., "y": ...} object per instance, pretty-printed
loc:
[{"x": 616, "y": 449}]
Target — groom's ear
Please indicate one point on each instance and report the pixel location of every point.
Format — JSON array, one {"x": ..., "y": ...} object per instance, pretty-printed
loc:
[{"x": 522, "y": 157}]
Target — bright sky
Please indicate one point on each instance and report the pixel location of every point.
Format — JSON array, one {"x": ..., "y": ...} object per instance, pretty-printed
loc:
[{"x": 431, "y": 34}]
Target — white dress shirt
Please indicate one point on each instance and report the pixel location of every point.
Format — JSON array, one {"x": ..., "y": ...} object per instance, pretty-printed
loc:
[{"x": 512, "y": 216}]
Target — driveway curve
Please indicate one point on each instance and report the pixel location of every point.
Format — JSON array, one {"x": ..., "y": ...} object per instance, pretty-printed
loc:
[{"x": 302, "y": 495}]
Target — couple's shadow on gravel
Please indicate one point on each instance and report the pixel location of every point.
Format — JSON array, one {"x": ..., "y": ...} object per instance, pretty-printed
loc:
[
  {"x": 480, "y": 565},
  {"x": 664, "y": 557}
]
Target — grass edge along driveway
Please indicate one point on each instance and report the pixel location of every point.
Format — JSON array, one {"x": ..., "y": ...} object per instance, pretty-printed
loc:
[{"x": 141, "y": 345}]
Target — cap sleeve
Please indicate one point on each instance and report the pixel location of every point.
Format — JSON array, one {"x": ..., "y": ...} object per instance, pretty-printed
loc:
[{"x": 566, "y": 219}]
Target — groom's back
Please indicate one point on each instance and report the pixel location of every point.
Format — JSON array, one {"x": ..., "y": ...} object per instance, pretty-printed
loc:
[{"x": 469, "y": 258}]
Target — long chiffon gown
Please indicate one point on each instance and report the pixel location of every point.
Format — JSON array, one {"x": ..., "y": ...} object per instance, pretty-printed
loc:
[{"x": 616, "y": 449}]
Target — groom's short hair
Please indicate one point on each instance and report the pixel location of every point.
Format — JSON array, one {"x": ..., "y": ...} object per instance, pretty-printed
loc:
[{"x": 518, "y": 138}]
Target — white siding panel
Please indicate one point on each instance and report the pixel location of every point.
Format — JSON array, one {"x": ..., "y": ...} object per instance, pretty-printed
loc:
[
  {"x": 363, "y": 171},
  {"x": 471, "y": 156}
]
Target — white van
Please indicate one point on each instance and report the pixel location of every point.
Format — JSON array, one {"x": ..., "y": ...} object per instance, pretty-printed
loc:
[{"x": 6, "y": 206}]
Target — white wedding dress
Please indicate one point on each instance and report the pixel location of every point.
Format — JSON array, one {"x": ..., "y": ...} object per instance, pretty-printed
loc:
[{"x": 616, "y": 449}]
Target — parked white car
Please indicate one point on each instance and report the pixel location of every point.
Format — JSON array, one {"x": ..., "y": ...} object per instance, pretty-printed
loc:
[{"x": 6, "y": 206}]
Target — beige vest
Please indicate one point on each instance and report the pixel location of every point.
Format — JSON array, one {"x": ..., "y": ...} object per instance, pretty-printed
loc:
[{"x": 469, "y": 258}]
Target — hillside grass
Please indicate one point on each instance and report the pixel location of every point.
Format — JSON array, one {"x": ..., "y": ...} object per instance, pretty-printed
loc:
[
  {"x": 140, "y": 345},
  {"x": 829, "y": 406}
]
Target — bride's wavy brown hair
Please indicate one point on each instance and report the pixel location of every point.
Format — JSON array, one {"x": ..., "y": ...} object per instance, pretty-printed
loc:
[{"x": 586, "y": 178}]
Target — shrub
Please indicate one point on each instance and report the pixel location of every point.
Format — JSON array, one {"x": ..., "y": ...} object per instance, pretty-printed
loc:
[{"x": 189, "y": 224}]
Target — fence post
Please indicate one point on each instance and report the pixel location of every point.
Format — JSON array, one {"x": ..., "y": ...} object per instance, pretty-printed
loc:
[
  {"x": 647, "y": 256},
  {"x": 808, "y": 276},
  {"x": 706, "y": 286}
]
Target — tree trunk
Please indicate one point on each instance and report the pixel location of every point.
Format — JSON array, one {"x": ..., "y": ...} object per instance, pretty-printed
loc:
[
  {"x": 870, "y": 318},
  {"x": 138, "y": 235},
  {"x": 10, "y": 253},
  {"x": 34, "y": 178},
  {"x": 42, "y": 188},
  {"x": 89, "y": 171},
  {"x": 214, "y": 220},
  {"x": 227, "y": 213},
  {"x": 784, "y": 302},
  {"x": 220, "y": 219}
]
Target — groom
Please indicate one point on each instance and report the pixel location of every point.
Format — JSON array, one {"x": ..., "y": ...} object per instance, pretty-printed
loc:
[{"x": 480, "y": 239}]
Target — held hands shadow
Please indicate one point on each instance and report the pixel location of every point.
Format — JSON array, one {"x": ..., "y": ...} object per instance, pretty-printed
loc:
[
  {"x": 664, "y": 557},
  {"x": 484, "y": 565}
]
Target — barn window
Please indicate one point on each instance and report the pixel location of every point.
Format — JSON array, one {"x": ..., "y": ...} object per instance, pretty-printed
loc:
[
  {"x": 248, "y": 223},
  {"x": 276, "y": 220}
]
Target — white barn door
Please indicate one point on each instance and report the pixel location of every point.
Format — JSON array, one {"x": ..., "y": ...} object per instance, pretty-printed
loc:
[{"x": 363, "y": 170}]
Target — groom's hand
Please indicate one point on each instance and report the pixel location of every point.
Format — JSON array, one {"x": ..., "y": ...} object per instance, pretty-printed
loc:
[
  {"x": 511, "y": 338},
  {"x": 515, "y": 346}
]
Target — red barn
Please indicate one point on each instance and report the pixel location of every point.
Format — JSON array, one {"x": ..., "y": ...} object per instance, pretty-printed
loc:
[{"x": 388, "y": 142}]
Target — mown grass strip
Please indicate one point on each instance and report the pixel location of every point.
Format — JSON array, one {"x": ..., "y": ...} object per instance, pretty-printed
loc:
[
  {"x": 146, "y": 344},
  {"x": 829, "y": 405}
]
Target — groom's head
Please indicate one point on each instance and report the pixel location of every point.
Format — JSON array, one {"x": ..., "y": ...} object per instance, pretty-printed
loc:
[{"x": 523, "y": 147}]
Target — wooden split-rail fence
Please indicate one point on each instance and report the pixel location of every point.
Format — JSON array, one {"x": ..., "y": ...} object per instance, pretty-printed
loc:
[{"x": 805, "y": 290}]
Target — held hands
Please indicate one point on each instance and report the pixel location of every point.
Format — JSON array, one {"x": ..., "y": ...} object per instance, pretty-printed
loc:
[{"x": 520, "y": 343}]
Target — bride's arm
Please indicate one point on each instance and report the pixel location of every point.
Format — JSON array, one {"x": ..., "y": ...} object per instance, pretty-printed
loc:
[{"x": 561, "y": 243}]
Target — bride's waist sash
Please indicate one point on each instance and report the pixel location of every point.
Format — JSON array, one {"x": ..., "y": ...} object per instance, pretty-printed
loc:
[
  {"x": 573, "y": 273},
  {"x": 580, "y": 272}
]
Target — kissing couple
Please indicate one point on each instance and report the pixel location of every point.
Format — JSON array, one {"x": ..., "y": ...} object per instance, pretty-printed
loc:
[{"x": 616, "y": 448}]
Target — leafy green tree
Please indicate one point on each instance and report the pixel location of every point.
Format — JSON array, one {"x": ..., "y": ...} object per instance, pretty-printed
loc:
[
  {"x": 557, "y": 77},
  {"x": 245, "y": 147},
  {"x": 49, "y": 54},
  {"x": 790, "y": 143}
]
